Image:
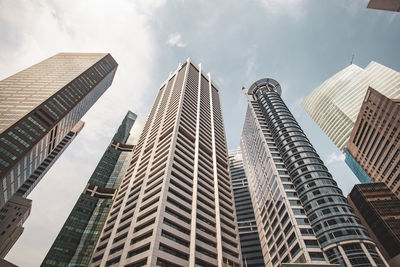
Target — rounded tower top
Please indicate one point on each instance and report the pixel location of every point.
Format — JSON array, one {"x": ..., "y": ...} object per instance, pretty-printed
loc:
[{"x": 265, "y": 84}]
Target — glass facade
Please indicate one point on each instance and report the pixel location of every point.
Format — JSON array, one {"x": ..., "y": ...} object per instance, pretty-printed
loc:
[
  {"x": 40, "y": 105},
  {"x": 12, "y": 217},
  {"x": 248, "y": 233},
  {"x": 335, "y": 104},
  {"x": 288, "y": 177},
  {"x": 379, "y": 210},
  {"x": 356, "y": 168},
  {"x": 374, "y": 146},
  {"x": 77, "y": 239}
]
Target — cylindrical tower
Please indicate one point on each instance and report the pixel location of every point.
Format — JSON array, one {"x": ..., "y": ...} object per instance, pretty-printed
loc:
[{"x": 338, "y": 230}]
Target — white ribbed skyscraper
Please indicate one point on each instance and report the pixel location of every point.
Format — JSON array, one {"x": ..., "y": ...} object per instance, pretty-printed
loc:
[
  {"x": 334, "y": 105},
  {"x": 301, "y": 214},
  {"x": 175, "y": 206}
]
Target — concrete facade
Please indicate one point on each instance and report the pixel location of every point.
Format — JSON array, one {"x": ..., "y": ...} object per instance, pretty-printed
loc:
[
  {"x": 335, "y": 104},
  {"x": 76, "y": 241},
  {"x": 374, "y": 144},
  {"x": 302, "y": 215},
  {"x": 252, "y": 255},
  {"x": 175, "y": 204}
]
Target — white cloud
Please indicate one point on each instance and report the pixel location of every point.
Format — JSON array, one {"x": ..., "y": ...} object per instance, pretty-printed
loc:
[
  {"x": 291, "y": 8},
  {"x": 175, "y": 39},
  {"x": 250, "y": 67},
  {"x": 335, "y": 157},
  {"x": 354, "y": 6},
  {"x": 32, "y": 31},
  {"x": 295, "y": 107}
]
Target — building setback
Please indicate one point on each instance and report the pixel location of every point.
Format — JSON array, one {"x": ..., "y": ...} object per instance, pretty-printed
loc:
[
  {"x": 75, "y": 243},
  {"x": 388, "y": 5},
  {"x": 51, "y": 158},
  {"x": 335, "y": 104},
  {"x": 379, "y": 210},
  {"x": 302, "y": 215},
  {"x": 40, "y": 105},
  {"x": 175, "y": 204},
  {"x": 248, "y": 233},
  {"x": 373, "y": 150}
]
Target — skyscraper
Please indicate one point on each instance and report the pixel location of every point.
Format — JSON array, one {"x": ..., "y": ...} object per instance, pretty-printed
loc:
[
  {"x": 75, "y": 243},
  {"x": 248, "y": 233},
  {"x": 40, "y": 105},
  {"x": 175, "y": 204},
  {"x": 373, "y": 149},
  {"x": 388, "y": 5},
  {"x": 301, "y": 213},
  {"x": 12, "y": 217},
  {"x": 379, "y": 210},
  {"x": 335, "y": 104},
  {"x": 51, "y": 158}
]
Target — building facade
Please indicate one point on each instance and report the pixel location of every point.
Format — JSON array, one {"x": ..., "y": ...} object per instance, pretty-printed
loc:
[
  {"x": 40, "y": 105},
  {"x": 388, "y": 5},
  {"x": 379, "y": 210},
  {"x": 175, "y": 204},
  {"x": 373, "y": 150},
  {"x": 12, "y": 217},
  {"x": 51, "y": 158},
  {"x": 75, "y": 243},
  {"x": 248, "y": 234},
  {"x": 335, "y": 104},
  {"x": 302, "y": 215}
]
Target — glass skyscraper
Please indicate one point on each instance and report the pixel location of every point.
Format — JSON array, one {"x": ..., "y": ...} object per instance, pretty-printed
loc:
[
  {"x": 379, "y": 210},
  {"x": 335, "y": 104},
  {"x": 248, "y": 233},
  {"x": 40, "y": 105},
  {"x": 301, "y": 214},
  {"x": 75, "y": 243},
  {"x": 374, "y": 146}
]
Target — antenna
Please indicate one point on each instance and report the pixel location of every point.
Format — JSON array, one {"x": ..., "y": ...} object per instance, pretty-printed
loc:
[{"x": 352, "y": 58}]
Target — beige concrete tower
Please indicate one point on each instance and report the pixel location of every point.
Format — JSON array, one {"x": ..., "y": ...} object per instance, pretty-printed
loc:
[{"x": 175, "y": 205}]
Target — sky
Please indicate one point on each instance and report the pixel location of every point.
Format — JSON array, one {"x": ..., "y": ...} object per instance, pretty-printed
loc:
[{"x": 299, "y": 43}]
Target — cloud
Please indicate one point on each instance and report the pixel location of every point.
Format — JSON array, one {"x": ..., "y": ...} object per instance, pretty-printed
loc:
[
  {"x": 335, "y": 157},
  {"x": 294, "y": 107},
  {"x": 291, "y": 8},
  {"x": 354, "y": 6},
  {"x": 175, "y": 39},
  {"x": 250, "y": 64},
  {"x": 35, "y": 30}
]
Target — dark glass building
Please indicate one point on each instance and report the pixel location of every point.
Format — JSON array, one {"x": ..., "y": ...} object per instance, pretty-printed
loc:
[
  {"x": 301, "y": 213},
  {"x": 247, "y": 225},
  {"x": 51, "y": 158},
  {"x": 373, "y": 150},
  {"x": 388, "y": 5},
  {"x": 379, "y": 210},
  {"x": 76, "y": 241}
]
